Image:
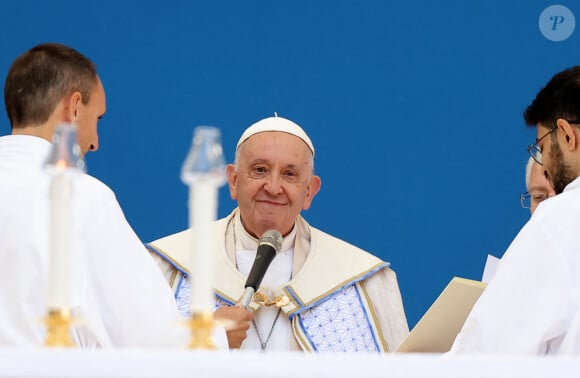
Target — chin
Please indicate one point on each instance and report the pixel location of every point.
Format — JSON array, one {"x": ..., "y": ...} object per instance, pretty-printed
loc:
[{"x": 265, "y": 225}]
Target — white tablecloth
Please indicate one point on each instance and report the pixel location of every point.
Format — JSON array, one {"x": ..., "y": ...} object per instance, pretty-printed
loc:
[{"x": 42, "y": 362}]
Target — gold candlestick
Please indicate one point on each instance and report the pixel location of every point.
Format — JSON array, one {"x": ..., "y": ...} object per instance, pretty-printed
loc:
[
  {"x": 58, "y": 324},
  {"x": 201, "y": 325},
  {"x": 63, "y": 163},
  {"x": 204, "y": 172}
]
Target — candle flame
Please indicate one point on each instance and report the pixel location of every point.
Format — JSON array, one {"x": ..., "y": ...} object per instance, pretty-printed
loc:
[{"x": 61, "y": 164}]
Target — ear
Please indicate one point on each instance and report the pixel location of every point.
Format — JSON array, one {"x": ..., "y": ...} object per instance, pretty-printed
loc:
[
  {"x": 311, "y": 190},
  {"x": 570, "y": 134},
  {"x": 232, "y": 180},
  {"x": 73, "y": 105}
]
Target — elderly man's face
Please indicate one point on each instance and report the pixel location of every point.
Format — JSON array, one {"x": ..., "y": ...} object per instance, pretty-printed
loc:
[
  {"x": 540, "y": 188},
  {"x": 272, "y": 181}
]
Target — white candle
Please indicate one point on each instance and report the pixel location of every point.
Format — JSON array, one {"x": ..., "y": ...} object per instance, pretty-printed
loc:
[
  {"x": 202, "y": 211},
  {"x": 60, "y": 239}
]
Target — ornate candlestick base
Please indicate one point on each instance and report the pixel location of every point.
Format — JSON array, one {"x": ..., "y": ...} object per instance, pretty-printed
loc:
[
  {"x": 201, "y": 325},
  {"x": 58, "y": 324}
]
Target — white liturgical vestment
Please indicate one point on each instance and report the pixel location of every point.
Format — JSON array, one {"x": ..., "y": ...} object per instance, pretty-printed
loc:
[
  {"x": 334, "y": 297},
  {"x": 117, "y": 294},
  {"x": 532, "y": 304}
]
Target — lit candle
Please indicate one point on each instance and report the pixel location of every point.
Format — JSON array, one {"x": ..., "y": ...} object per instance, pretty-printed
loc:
[
  {"x": 202, "y": 211},
  {"x": 203, "y": 171},
  {"x": 60, "y": 239}
]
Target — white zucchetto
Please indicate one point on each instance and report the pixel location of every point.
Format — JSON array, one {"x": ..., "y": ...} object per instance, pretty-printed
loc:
[{"x": 276, "y": 124}]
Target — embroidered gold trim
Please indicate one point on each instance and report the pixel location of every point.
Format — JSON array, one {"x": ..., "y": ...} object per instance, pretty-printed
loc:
[
  {"x": 170, "y": 258},
  {"x": 263, "y": 300},
  {"x": 335, "y": 288},
  {"x": 375, "y": 322},
  {"x": 300, "y": 336}
]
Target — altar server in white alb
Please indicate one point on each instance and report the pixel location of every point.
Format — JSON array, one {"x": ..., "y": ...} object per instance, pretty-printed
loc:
[
  {"x": 117, "y": 295},
  {"x": 532, "y": 306},
  {"x": 319, "y": 293}
]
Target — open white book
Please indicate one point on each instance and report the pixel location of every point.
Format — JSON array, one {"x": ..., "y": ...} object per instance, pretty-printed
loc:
[{"x": 438, "y": 327}]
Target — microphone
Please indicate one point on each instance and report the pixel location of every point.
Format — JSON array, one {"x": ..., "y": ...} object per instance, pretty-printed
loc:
[{"x": 268, "y": 245}]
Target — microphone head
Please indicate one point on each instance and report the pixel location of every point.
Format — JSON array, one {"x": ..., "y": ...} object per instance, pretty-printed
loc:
[
  {"x": 268, "y": 245},
  {"x": 272, "y": 238}
]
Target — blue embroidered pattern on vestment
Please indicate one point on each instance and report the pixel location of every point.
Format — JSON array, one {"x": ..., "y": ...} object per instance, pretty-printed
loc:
[
  {"x": 339, "y": 324},
  {"x": 183, "y": 297}
]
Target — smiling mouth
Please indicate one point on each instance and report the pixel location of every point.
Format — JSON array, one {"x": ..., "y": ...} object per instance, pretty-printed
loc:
[{"x": 271, "y": 203}]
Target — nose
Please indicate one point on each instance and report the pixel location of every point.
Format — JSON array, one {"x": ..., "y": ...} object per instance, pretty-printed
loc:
[
  {"x": 94, "y": 146},
  {"x": 273, "y": 184}
]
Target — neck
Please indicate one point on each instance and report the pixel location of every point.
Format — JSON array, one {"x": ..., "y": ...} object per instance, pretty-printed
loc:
[
  {"x": 44, "y": 131},
  {"x": 258, "y": 236},
  {"x": 243, "y": 239}
]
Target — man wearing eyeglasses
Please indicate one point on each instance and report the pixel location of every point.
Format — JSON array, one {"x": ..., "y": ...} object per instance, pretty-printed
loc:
[
  {"x": 538, "y": 188},
  {"x": 532, "y": 304}
]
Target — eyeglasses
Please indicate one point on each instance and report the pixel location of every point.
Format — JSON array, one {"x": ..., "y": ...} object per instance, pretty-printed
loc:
[
  {"x": 526, "y": 198},
  {"x": 534, "y": 149}
]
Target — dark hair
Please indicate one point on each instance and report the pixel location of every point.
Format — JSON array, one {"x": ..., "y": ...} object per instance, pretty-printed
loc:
[
  {"x": 43, "y": 76},
  {"x": 560, "y": 98}
]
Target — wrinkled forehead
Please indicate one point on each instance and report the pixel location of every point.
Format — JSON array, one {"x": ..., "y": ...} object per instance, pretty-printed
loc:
[
  {"x": 264, "y": 137},
  {"x": 269, "y": 144}
]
